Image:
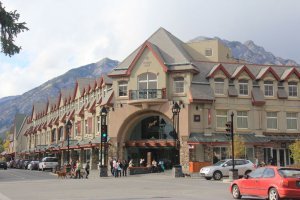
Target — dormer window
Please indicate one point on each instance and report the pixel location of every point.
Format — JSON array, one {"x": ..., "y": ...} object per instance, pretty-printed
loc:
[
  {"x": 293, "y": 89},
  {"x": 269, "y": 89},
  {"x": 123, "y": 88},
  {"x": 243, "y": 87},
  {"x": 219, "y": 86},
  {"x": 178, "y": 85}
]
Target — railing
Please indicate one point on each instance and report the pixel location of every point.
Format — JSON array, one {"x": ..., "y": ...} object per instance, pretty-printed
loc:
[{"x": 147, "y": 94}]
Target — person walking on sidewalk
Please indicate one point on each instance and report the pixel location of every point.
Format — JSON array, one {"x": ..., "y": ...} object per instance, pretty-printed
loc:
[
  {"x": 124, "y": 169},
  {"x": 78, "y": 168},
  {"x": 87, "y": 169}
]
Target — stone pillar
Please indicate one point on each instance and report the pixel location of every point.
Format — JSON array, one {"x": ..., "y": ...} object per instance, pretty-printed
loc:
[
  {"x": 149, "y": 159},
  {"x": 184, "y": 154},
  {"x": 113, "y": 148}
]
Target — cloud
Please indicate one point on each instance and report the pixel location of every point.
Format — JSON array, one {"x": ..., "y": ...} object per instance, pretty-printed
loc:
[{"x": 71, "y": 33}]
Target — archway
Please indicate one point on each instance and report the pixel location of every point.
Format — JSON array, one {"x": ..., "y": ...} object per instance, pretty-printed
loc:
[{"x": 149, "y": 135}]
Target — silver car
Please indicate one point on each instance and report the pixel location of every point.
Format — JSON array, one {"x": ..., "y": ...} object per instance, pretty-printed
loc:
[{"x": 221, "y": 168}]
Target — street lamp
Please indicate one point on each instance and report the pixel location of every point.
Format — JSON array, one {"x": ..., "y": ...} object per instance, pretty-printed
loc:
[
  {"x": 175, "y": 111},
  {"x": 68, "y": 128},
  {"x": 233, "y": 173},
  {"x": 103, "y": 168},
  {"x": 162, "y": 124}
]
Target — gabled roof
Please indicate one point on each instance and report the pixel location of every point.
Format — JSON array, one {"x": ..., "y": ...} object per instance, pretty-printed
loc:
[
  {"x": 216, "y": 68},
  {"x": 167, "y": 48},
  {"x": 264, "y": 71},
  {"x": 288, "y": 72},
  {"x": 241, "y": 69}
]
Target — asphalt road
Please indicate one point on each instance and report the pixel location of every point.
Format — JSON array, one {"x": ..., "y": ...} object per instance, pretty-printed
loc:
[{"x": 37, "y": 185}]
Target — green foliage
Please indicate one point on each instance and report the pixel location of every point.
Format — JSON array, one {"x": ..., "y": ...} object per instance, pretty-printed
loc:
[
  {"x": 10, "y": 28},
  {"x": 239, "y": 147},
  {"x": 295, "y": 151}
]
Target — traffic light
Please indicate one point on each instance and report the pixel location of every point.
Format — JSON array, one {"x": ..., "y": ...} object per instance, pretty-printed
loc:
[
  {"x": 228, "y": 127},
  {"x": 103, "y": 133}
]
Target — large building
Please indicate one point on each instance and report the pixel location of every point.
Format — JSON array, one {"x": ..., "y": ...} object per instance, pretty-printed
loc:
[{"x": 202, "y": 78}]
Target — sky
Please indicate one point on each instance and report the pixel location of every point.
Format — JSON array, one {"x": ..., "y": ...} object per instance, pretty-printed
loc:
[{"x": 66, "y": 34}]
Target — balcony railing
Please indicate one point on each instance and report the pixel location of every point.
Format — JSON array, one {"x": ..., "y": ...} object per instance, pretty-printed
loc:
[{"x": 147, "y": 94}]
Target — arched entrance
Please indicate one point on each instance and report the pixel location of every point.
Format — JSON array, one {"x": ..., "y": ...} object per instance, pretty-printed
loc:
[{"x": 151, "y": 136}]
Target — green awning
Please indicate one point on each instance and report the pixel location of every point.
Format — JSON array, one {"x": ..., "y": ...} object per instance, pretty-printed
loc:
[{"x": 222, "y": 137}]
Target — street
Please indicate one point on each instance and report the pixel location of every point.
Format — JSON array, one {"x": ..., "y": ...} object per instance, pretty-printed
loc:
[{"x": 35, "y": 185}]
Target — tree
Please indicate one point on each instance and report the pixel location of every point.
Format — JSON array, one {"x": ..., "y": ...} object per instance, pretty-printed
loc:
[
  {"x": 239, "y": 147},
  {"x": 10, "y": 28},
  {"x": 295, "y": 151}
]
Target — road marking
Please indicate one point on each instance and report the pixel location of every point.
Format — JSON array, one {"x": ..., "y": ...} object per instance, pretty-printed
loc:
[{"x": 3, "y": 197}]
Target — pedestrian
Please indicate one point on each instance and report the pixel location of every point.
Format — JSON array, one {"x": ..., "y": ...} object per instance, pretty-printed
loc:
[
  {"x": 153, "y": 166},
  {"x": 131, "y": 163},
  {"x": 119, "y": 168},
  {"x": 87, "y": 169},
  {"x": 256, "y": 162},
  {"x": 116, "y": 166},
  {"x": 125, "y": 166},
  {"x": 111, "y": 162},
  {"x": 271, "y": 161},
  {"x": 78, "y": 168}
]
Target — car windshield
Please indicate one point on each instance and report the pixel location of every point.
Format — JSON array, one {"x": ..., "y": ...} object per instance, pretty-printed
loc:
[
  {"x": 289, "y": 172},
  {"x": 219, "y": 163}
]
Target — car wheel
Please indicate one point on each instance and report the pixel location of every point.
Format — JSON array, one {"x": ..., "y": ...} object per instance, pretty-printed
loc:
[
  {"x": 207, "y": 178},
  {"x": 236, "y": 192},
  {"x": 217, "y": 175},
  {"x": 273, "y": 194},
  {"x": 247, "y": 172}
]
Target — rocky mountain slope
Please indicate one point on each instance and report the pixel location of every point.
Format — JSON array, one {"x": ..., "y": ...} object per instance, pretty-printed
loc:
[{"x": 9, "y": 106}]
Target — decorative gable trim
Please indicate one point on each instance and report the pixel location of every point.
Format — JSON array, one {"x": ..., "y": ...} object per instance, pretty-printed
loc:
[
  {"x": 242, "y": 69},
  {"x": 263, "y": 72},
  {"x": 144, "y": 46},
  {"x": 217, "y": 68},
  {"x": 288, "y": 72}
]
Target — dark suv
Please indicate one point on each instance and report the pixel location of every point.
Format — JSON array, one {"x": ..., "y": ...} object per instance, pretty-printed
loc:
[{"x": 3, "y": 165}]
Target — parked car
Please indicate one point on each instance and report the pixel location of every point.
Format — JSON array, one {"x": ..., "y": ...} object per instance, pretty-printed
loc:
[
  {"x": 24, "y": 164},
  {"x": 3, "y": 165},
  {"x": 48, "y": 163},
  {"x": 11, "y": 163},
  {"x": 268, "y": 182},
  {"x": 18, "y": 164},
  {"x": 33, "y": 165},
  {"x": 221, "y": 168}
]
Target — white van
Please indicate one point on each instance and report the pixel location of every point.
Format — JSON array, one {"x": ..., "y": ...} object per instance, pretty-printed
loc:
[{"x": 48, "y": 163}]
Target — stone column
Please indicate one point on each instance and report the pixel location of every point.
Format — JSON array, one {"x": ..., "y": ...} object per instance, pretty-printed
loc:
[
  {"x": 113, "y": 148},
  {"x": 184, "y": 154}
]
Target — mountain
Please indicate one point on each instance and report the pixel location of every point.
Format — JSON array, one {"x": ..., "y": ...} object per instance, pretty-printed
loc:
[
  {"x": 9, "y": 106},
  {"x": 250, "y": 52}
]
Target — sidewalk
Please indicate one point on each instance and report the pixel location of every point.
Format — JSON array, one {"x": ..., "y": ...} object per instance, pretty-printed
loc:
[{"x": 95, "y": 174}]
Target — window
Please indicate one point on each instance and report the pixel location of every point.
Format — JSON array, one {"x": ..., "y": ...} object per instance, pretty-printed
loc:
[
  {"x": 86, "y": 126},
  {"x": 219, "y": 86},
  {"x": 243, "y": 87},
  {"x": 98, "y": 124},
  {"x": 271, "y": 120},
  {"x": 269, "y": 90},
  {"x": 147, "y": 86},
  {"x": 242, "y": 119},
  {"x": 53, "y": 135},
  {"x": 293, "y": 90},
  {"x": 257, "y": 173},
  {"x": 60, "y": 133},
  {"x": 123, "y": 88},
  {"x": 291, "y": 121},
  {"x": 179, "y": 85},
  {"x": 268, "y": 173},
  {"x": 221, "y": 118},
  {"x": 208, "y": 52}
]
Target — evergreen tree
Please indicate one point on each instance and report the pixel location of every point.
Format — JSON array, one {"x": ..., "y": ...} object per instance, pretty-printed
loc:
[{"x": 10, "y": 28}]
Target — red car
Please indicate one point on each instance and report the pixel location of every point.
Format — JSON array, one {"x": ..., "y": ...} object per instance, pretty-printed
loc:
[{"x": 268, "y": 182}]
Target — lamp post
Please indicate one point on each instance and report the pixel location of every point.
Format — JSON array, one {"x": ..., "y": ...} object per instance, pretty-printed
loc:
[
  {"x": 68, "y": 128},
  {"x": 233, "y": 173},
  {"x": 162, "y": 124},
  {"x": 103, "y": 168},
  {"x": 175, "y": 111}
]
